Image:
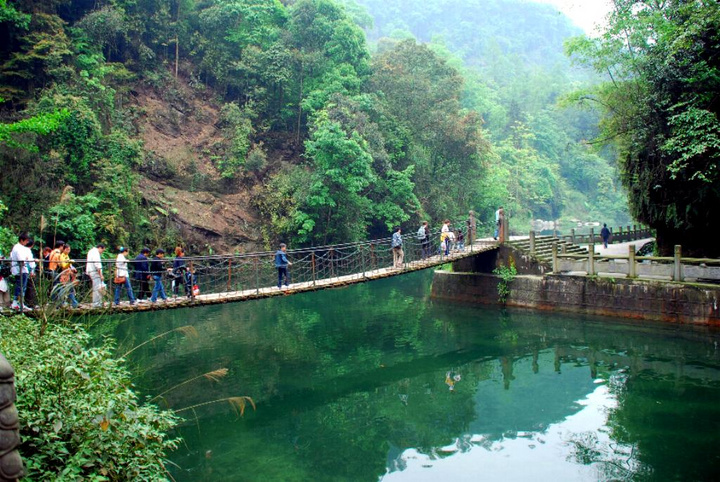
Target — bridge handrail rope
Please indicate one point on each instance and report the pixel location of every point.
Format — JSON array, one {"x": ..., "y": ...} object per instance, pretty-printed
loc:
[{"x": 240, "y": 272}]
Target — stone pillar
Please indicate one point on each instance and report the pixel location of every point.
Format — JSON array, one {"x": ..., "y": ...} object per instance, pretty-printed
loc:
[
  {"x": 572, "y": 236},
  {"x": 532, "y": 243},
  {"x": 472, "y": 227},
  {"x": 11, "y": 466},
  {"x": 591, "y": 258},
  {"x": 677, "y": 265},
  {"x": 591, "y": 241},
  {"x": 555, "y": 263},
  {"x": 504, "y": 235},
  {"x": 632, "y": 267}
]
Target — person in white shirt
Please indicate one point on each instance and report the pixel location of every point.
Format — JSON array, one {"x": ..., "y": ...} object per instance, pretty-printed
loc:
[
  {"x": 445, "y": 237},
  {"x": 94, "y": 270},
  {"x": 21, "y": 266},
  {"x": 121, "y": 271},
  {"x": 498, "y": 215}
]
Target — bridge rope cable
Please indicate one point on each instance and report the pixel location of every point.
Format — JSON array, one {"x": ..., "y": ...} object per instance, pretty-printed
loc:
[{"x": 218, "y": 274}]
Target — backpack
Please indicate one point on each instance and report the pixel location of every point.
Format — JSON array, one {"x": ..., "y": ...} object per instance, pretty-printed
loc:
[{"x": 421, "y": 233}]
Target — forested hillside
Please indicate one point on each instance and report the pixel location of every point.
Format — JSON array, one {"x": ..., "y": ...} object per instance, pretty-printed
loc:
[
  {"x": 232, "y": 124},
  {"x": 516, "y": 76}
]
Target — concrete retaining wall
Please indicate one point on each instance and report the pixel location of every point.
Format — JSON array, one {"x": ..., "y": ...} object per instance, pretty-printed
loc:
[{"x": 647, "y": 300}]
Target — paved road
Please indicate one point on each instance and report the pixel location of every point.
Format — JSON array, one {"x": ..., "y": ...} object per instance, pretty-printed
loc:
[{"x": 621, "y": 248}]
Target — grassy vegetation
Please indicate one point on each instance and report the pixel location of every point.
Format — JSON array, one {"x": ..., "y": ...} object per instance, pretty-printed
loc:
[{"x": 80, "y": 418}]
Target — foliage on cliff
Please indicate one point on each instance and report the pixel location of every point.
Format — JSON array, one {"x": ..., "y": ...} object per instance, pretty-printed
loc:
[
  {"x": 333, "y": 143},
  {"x": 661, "y": 110}
]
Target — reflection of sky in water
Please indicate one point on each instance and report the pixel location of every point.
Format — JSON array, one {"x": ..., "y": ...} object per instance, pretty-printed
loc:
[{"x": 533, "y": 430}]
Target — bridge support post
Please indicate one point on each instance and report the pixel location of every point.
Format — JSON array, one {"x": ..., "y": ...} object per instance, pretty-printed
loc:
[
  {"x": 313, "y": 268},
  {"x": 555, "y": 263},
  {"x": 532, "y": 243},
  {"x": 257, "y": 275},
  {"x": 229, "y": 274},
  {"x": 572, "y": 235},
  {"x": 22, "y": 292},
  {"x": 192, "y": 282},
  {"x": 471, "y": 228},
  {"x": 591, "y": 257},
  {"x": 632, "y": 267},
  {"x": 677, "y": 265},
  {"x": 504, "y": 235},
  {"x": 362, "y": 260}
]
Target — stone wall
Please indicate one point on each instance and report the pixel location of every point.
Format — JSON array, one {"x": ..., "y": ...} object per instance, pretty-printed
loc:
[
  {"x": 487, "y": 261},
  {"x": 647, "y": 300},
  {"x": 11, "y": 467}
]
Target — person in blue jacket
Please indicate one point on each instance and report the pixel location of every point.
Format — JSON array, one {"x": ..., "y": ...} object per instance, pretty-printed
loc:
[
  {"x": 605, "y": 235},
  {"x": 282, "y": 263},
  {"x": 142, "y": 273}
]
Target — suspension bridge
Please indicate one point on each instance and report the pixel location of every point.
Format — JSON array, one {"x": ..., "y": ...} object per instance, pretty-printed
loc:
[{"x": 241, "y": 277}]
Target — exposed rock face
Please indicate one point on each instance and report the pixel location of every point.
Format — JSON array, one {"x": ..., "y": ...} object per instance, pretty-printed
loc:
[
  {"x": 179, "y": 181},
  {"x": 203, "y": 218},
  {"x": 11, "y": 466}
]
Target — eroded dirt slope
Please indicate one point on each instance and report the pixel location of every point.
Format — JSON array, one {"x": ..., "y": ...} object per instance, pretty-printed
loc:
[{"x": 180, "y": 132}]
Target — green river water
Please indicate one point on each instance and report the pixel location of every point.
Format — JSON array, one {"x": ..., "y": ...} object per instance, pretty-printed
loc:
[{"x": 379, "y": 382}]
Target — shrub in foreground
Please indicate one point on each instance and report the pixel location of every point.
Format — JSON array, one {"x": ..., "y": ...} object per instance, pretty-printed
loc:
[{"x": 80, "y": 418}]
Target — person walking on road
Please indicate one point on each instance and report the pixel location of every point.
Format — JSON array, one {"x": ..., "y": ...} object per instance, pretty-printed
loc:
[
  {"x": 605, "y": 235},
  {"x": 93, "y": 268},
  {"x": 282, "y": 263},
  {"x": 397, "y": 248},
  {"x": 498, "y": 213}
]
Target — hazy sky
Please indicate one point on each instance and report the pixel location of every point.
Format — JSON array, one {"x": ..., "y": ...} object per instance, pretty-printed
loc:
[{"x": 584, "y": 13}]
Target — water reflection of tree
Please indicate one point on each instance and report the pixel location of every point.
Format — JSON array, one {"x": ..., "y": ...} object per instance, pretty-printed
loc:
[
  {"x": 673, "y": 421},
  {"x": 362, "y": 372}
]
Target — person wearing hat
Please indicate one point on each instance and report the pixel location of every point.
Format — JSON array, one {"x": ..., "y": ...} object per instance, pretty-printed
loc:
[
  {"x": 122, "y": 277},
  {"x": 156, "y": 271}
]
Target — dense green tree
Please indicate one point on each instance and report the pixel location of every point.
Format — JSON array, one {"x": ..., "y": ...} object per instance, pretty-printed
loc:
[
  {"x": 661, "y": 105},
  {"x": 442, "y": 141}
]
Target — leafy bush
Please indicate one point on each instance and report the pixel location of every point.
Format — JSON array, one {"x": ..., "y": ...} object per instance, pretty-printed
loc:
[
  {"x": 507, "y": 274},
  {"x": 80, "y": 419}
]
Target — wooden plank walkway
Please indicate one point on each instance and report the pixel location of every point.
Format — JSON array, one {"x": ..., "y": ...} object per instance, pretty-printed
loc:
[{"x": 266, "y": 292}]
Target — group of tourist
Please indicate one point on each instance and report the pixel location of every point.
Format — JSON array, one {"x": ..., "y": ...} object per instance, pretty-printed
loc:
[
  {"x": 57, "y": 267},
  {"x": 451, "y": 239}
]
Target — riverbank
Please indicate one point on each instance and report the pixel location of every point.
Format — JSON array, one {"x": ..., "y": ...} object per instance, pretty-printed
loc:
[
  {"x": 638, "y": 299},
  {"x": 80, "y": 418}
]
